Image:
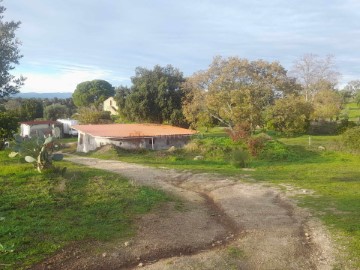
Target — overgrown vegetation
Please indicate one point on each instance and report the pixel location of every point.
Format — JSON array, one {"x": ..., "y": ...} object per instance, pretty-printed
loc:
[
  {"x": 40, "y": 213},
  {"x": 39, "y": 151},
  {"x": 351, "y": 139}
]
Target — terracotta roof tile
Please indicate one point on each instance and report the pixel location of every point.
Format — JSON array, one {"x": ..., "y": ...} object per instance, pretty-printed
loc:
[{"x": 132, "y": 130}]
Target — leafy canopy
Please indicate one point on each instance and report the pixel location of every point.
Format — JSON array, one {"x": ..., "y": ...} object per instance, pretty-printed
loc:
[
  {"x": 56, "y": 111},
  {"x": 235, "y": 90},
  {"x": 9, "y": 56},
  {"x": 92, "y": 115},
  {"x": 155, "y": 96},
  {"x": 289, "y": 115},
  {"x": 8, "y": 126},
  {"x": 25, "y": 109},
  {"x": 92, "y": 93}
]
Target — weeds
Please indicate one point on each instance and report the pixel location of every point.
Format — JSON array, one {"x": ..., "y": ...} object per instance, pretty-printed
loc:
[{"x": 40, "y": 213}]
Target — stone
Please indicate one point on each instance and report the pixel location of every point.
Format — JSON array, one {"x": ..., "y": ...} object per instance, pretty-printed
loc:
[{"x": 199, "y": 158}]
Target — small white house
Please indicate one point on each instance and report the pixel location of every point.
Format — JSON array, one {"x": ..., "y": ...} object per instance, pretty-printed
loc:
[
  {"x": 67, "y": 126},
  {"x": 111, "y": 106},
  {"x": 131, "y": 136},
  {"x": 31, "y": 128}
]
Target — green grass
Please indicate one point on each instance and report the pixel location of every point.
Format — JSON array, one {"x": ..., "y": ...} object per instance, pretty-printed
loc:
[
  {"x": 352, "y": 110},
  {"x": 330, "y": 142},
  {"x": 68, "y": 139},
  {"x": 212, "y": 132},
  {"x": 40, "y": 213},
  {"x": 179, "y": 159},
  {"x": 334, "y": 177}
]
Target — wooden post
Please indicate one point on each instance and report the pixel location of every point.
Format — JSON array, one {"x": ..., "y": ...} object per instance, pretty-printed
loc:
[
  {"x": 309, "y": 140},
  {"x": 152, "y": 143}
]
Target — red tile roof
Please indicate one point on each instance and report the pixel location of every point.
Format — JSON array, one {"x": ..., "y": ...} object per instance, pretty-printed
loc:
[
  {"x": 132, "y": 130},
  {"x": 31, "y": 123}
]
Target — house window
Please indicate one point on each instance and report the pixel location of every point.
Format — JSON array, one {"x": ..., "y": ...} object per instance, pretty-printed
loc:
[
  {"x": 150, "y": 141},
  {"x": 81, "y": 138},
  {"x": 167, "y": 141}
]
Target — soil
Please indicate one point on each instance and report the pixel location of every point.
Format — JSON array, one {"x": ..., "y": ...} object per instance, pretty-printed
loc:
[{"x": 218, "y": 223}]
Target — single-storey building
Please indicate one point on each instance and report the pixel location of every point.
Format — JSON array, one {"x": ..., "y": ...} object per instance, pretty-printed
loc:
[
  {"x": 131, "y": 136},
  {"x": 110, "y": 106},
  {"x": 67, "y": 126},
  {"x": 31, "y": 128}
]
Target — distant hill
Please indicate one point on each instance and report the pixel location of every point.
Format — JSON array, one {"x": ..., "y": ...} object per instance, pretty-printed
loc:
[{"x": 43, "y": 95}]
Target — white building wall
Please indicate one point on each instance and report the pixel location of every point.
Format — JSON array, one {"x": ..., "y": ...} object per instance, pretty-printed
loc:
[
  {"x": 24, "y": 130},
  {"x": 88, "y": 143},
  {"x": 111, "y": 106},
  {"x": 67, "y": 123},
  {"x": 27, "y": 130}
]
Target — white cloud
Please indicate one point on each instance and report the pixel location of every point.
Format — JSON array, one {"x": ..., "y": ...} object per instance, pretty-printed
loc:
[
  {"x": 186, "y": 34},
  {"x": 66, "y": 79}
]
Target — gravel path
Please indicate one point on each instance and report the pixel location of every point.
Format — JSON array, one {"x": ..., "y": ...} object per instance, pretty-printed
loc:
[{"x": 222, "y": 223}]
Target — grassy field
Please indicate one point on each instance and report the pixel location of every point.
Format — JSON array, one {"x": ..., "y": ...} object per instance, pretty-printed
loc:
[
  {"x": 334, "y": 177},
  {"x": 352, "y": 110},
  {"x": 40, "y": 213},
  {"x": 68, "y": 139}
]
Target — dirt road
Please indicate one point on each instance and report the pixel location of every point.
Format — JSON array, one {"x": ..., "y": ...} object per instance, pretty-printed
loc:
[{"x": 220, "y": 223}]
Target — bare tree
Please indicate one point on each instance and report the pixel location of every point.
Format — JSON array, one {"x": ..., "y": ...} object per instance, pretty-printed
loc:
[
  {"x": 315, "y": 73},
  {"x": 353, "y": 87}
]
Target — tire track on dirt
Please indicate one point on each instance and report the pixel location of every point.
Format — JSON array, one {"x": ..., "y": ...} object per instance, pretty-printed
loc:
[{"x": 226, "y": 224}]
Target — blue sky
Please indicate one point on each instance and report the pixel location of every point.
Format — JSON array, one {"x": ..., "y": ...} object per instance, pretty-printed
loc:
[{"x": 70, "y": 41}]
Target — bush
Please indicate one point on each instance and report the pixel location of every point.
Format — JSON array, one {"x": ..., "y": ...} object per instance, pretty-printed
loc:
[
  {"x": 351, "y": 139},
  {"x": 344, "y": 125},
  {"x": 214, "y": 147},
  {"x": 240, "y": 132},
  {"x": 275, "y": 150},
  {"x": 256, "y": 144},
  {"x": 239, "y": 158}
]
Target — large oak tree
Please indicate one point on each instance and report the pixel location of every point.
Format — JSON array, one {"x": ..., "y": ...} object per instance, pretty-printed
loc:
[{"x": 235, "y": 90}]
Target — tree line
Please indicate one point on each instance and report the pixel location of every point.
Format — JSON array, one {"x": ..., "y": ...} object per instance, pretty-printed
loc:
[
  {"x": 232, "y": 92},
  {"x": 237, "y": 93}
]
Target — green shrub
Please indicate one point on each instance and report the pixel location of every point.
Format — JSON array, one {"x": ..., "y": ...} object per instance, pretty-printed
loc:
[
  {"x": 213, "y": 147},
  {"x": 344, "y": 125},
  {"x": 240, "y": 132},
  {"x": 256, "y": 143},
  {"x": 351, "y": 139},
  {"x": 239, "y": 158},
  {"x": 276, "y": 151},
  {"x": 192, "y": 146}
]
